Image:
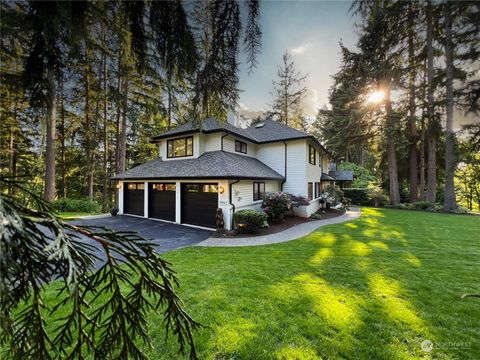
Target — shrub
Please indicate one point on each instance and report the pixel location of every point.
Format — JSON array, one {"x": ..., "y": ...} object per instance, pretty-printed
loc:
[
  {"x": 276, "y": 205},
  {"x": 249, "y": 221},
  {"x": 422, "y": 205},
  {"x": 376, "y": 195},
  {"x": 76, "y": 205},
  {"x": 332, "y": 195},
  {"x": 358, "y": 196},
  {"x": 361, "y": 176}
]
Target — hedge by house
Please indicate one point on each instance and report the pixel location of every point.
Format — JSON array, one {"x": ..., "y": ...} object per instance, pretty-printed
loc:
[
  {"x": 76, "y": 205},
  {"x": 249, "y": 221},
  {"x": 358, "y": 196}
]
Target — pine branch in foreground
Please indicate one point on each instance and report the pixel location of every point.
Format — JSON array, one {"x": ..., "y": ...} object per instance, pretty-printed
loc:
[{"x": 101, "y": 307}]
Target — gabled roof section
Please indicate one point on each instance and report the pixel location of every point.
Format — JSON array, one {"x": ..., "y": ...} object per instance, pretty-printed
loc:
[
  {"x": 214, "y": 165},
  {"x": 264, "y": 131},
  {"x": 209, "y": 125},
  {"x": 342, "y": 175},
  {"x": 326, "y": 177},
  {"x": 269, "y": 131}
]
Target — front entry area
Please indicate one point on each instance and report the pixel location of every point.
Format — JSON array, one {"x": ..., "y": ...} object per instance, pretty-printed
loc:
[
  {"x": 161, "y": 201},
  {"x": 134, "y": 196},
  {"x": 199, "y": 204}
]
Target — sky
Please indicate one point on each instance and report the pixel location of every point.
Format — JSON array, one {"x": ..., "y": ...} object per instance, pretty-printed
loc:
[{"x": 311, "y": 31}]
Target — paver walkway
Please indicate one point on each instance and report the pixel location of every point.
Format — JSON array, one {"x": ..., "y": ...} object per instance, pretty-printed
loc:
[{"x": 293, "y": 233}]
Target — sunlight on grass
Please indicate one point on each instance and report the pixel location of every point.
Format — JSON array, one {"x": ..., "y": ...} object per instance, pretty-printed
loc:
[
  {"x": 412, "y": 259},
  {"x": 321, "y": 256},
  {"x": 336, "y": 305},
  {"x": 378, "y": 244},
  {"x": 351, "y": 225},
  {"x": 235, "y": 334},
  {"x": 326, "y": 239},
  {"x": 292, "y": 352},
  {"x": 358, "y": 248},
  {"x": 372, "y": 212},
  {"x": 388, "y": 293}
]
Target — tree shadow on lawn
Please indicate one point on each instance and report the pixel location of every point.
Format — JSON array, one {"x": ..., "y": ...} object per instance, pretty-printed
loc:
[{"x": 372, "y": 288}]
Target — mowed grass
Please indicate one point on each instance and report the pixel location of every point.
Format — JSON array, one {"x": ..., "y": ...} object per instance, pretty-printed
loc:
[
  {"x": 72, "y": 215},
  {"x": 373, "y": 288}
]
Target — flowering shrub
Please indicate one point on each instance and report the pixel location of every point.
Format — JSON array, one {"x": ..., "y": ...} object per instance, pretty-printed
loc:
[
  {"x": 331, "y": 195},
  {"x": 276, "y": 205}
]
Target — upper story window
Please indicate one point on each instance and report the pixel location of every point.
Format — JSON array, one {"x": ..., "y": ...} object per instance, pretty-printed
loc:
[
  {"x": 180, "y": 147},
  {"x": 240, "y": 146},
  {"x": 312, "y": 155},
  {"x": 320, "y": 159},
  {"x": 258, "y": 190}
]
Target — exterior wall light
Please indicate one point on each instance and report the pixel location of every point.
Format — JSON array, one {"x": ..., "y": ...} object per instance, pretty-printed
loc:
[
  {"x": 221, "y": 190},
  {"x": 118, "y": 186}
]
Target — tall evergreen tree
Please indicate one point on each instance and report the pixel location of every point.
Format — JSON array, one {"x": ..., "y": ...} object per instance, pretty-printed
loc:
[
  {"x": 55, "y": 25},
  {"x": 288, "y": 91}
]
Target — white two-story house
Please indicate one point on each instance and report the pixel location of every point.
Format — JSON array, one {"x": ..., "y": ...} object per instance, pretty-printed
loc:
[{"x": 201, "y": 168}]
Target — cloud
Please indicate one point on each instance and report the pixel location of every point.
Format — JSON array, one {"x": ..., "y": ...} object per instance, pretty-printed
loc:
[{"x": 300, "y": 49}]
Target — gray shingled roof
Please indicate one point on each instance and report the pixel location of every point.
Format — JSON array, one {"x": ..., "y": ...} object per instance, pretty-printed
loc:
[
  {"x": 326, "y": 177},
  {"x": 270, "y": 131},
  {"x": 273, "y": 131},
  {"x": 208, "y": 125},
  {"x": 342, "y": 175},
  {"x": 214, "y": 164}
]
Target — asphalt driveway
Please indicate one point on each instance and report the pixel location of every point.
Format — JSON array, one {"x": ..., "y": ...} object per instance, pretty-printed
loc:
[{"x": 167, "y": 236}]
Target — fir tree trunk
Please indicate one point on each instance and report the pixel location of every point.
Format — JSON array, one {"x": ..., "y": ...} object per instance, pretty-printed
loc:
[
  {"x": 62, "y": 143},
  {"x": 106, "y": 149},
  {"x": 391, "y": 151},
  {"x": 49, "y": 189},
  {"x": 450, "y": 202},
  {"x": 432, "y": 133},
  {"x": 122, "y": 155},
  {"x": 412, "y": 126},
  {"x": 88, "y": 134},
  {"x": 422, "y": 161}
]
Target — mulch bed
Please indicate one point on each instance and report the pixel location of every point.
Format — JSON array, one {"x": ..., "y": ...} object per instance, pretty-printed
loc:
[{"x": 287, "y": 223}]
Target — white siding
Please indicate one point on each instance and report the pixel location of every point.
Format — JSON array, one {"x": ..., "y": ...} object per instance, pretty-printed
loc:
[
  {"x": 272, "y": 155},
  {"x": 242, "y": 193},
  {"x": 211, "y": 142},
  {"x": 296, "y": 170},
  {"x": 229, "y": 145}
]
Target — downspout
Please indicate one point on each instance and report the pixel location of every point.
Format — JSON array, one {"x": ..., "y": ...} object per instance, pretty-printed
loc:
[
  {"x": 230, "y": 200},
  {"x": 221, "y": 140},
  {"x": 283, "y": 181}
]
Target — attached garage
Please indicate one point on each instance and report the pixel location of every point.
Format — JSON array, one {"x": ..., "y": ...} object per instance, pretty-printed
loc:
[
  {"x": 199, "y": 204},
  {"x": 161, "y": 201},
  {"x": 134, "y": 196}
]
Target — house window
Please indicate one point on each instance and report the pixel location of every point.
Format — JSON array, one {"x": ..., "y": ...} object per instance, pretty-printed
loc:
[
  {"x": 240, "y": 147},
  {"x": 258, "y": 190},
  {"x": 320, "y": 159},
  {"x": 317, "y": 190},
  {"x": 180, "y": 147},
  {"x": 310, "y": 191},
  {"x": 312, "y": 153}
]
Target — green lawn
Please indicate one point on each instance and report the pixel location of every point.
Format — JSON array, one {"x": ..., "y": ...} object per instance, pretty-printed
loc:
[
  {"x": 72, "y": 215},
  {"x": 373, "y": 288}
]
